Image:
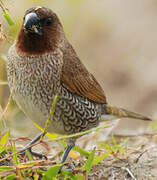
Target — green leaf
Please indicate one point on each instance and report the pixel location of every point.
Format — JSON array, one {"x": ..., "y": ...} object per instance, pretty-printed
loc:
[
  {"x": 80, "y": 133},
  {"x": 68, "y": 174},
  {"x": 153, "y": 126},
  {"x": 8, "y": 18},
  {"x": 3, "y": 141},
  {"x": 80, "y": 177},
  {"x": 115, "y": 148},
  {"x": 49, "y": 135},
  {"x": 29, "y": 155},
  {"x": 15, "y": 159},
  {"x": 36, "y": 176},
  {"x": 41, "y": 172},
  {"x": 98, "y": 159},
  {"x": 5, "y": 168},
  {"x": 121, "y": 145},
  {"x": 81, "y": 151},
  {"x": 53, "y": 105},
  {"x": 6, "y": 14},
  {"x": 51, "y": 173},
  {"x": 50, "y": 115},
  {"x": 113, "y": 140},
  {"x": 103, "y": 145},
  {"x": 89, "y": 162},
  {"x": 63, "y": 143},
  {"x": 10, "y": 177},
  {"x": 27, "y": 164}
]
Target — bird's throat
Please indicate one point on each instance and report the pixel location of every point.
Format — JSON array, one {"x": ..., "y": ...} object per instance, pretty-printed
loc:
[{"x": 33, "y": 44}]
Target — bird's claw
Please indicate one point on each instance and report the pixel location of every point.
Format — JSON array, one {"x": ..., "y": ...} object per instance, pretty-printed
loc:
[{"x": 39, "y": 155}]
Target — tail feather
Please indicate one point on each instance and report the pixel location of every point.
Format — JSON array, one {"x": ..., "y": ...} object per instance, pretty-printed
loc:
[{"x": 122, "y": 113}]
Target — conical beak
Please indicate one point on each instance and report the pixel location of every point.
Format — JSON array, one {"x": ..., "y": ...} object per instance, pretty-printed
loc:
[{"x": 32, "y": 24}]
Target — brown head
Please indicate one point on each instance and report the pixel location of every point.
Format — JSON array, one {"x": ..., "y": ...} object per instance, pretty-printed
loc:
[{"x": 41, "y": 32}]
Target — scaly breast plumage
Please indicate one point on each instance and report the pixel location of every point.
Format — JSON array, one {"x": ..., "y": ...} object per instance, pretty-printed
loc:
[
  {"x": 77, "y": 113},
  {"x": 37, "y": 81}
]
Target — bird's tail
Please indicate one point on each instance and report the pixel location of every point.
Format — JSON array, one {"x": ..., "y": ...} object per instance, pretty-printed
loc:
[{"x": 122, "y": 113}]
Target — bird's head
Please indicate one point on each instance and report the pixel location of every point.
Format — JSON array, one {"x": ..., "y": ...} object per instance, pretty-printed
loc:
[{"x": 41, "y": 31}]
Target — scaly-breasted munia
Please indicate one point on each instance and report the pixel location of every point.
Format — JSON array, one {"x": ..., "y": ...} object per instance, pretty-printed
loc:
[{"x": 42, "y": 63}]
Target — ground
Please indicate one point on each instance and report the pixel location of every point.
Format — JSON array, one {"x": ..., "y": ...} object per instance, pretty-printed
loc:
[{"x": 139, "y": 161}]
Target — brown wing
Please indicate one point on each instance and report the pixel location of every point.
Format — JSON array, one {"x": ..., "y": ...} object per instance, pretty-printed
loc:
[{"x": 76, "y": 78}]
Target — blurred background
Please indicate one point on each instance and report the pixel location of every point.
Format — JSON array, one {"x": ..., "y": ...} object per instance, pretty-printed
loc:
[{"x": 116, "y": 40}]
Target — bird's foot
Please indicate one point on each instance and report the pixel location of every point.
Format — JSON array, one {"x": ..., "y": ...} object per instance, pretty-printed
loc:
[
  {"x": 39, "y": 155},
  {"x": 63, "y": 168}
]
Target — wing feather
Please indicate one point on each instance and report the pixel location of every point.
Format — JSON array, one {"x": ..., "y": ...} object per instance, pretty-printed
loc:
[{"x": 76, "y": 78}]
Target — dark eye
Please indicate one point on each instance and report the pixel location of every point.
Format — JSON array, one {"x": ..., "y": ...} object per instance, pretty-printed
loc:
[{"x": 48, "y": 21}]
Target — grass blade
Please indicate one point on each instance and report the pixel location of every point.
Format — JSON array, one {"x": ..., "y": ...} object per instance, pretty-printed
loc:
[
  {"x": 29, "y": 155},
  {"x": 8, "y": 18},
  {"x": 89, "y": 162},
  {"x": 6, "y": 14},
  {"x": 5, "y": 168},
  {"x": 11, "y": 177},
  {"x": 49, "y": 135},
  {"x": 51, "y": 173},
  {"x": 98, "y": 159},
  {"x": 15, "y": 159},
  {"x": 67, "y": 175},
  {"x": 50, "y": 115},
  {"x": 3, "y": 141},
  {"x": 81, "y": 151}
]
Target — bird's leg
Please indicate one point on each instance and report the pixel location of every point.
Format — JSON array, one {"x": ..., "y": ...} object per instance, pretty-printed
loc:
[
  {"x": 33, "y": 141},
  {"x": 67, "y": 150},
  {"x": 65, "y": 155}
]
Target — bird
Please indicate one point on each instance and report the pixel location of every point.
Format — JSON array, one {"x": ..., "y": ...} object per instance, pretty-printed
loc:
[{"x": 42, "y": 64}]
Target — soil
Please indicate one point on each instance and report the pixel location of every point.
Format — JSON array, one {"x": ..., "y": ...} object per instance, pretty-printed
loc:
[{"x": 138, "y": 162}]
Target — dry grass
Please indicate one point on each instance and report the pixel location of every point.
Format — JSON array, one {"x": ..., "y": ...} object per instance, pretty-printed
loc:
[{"x": 137, "y": 162}]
